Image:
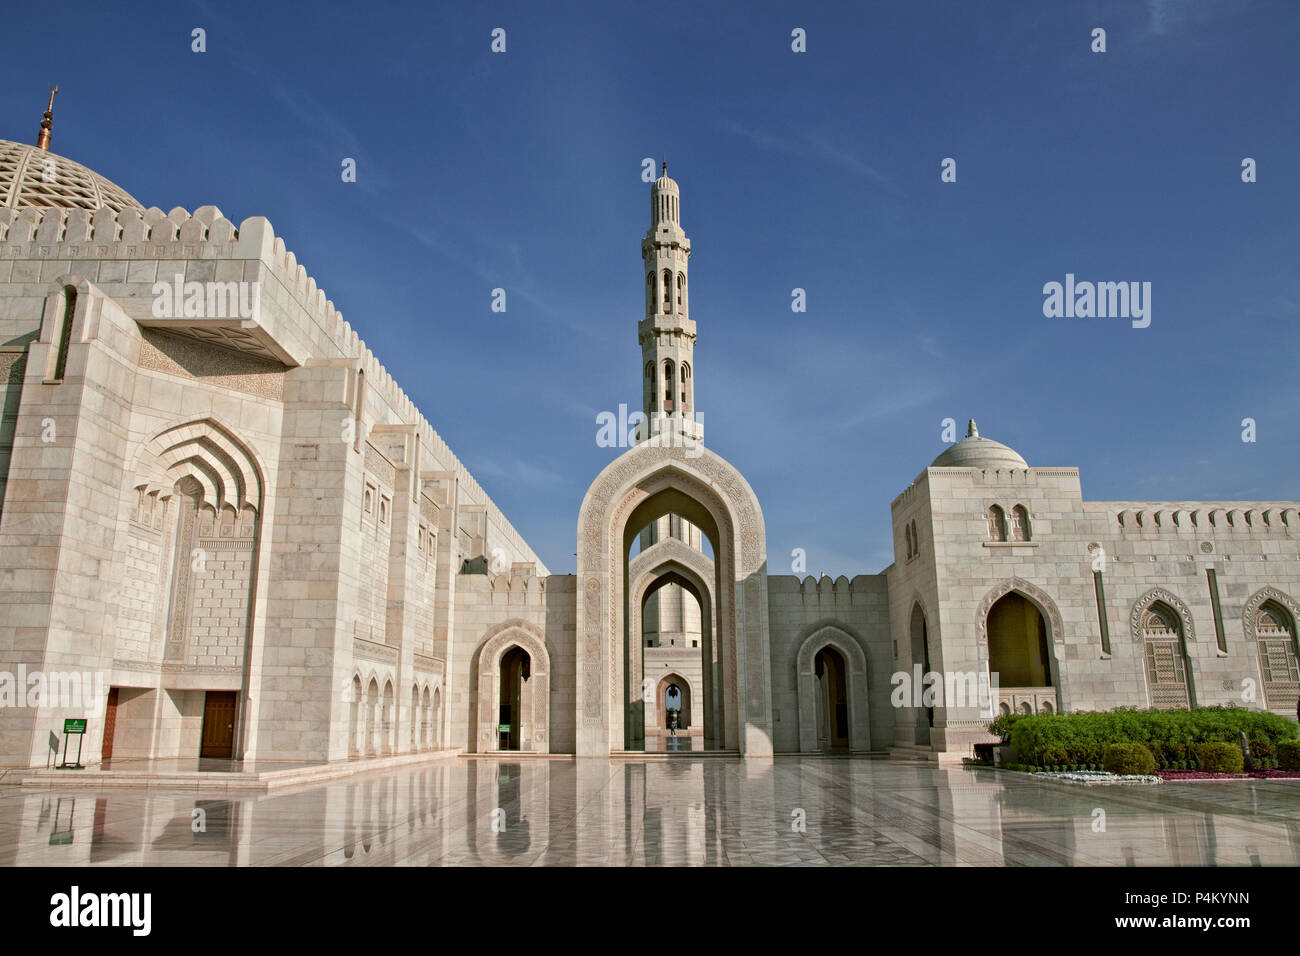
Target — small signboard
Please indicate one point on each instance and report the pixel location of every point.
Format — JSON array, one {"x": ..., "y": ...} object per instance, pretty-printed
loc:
[
  {"x": 72, "y": 726},
  {"x": 503, "y": 728}
]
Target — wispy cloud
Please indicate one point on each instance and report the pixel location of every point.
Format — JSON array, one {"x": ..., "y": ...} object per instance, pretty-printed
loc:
[{"x": 812, "y": 146}]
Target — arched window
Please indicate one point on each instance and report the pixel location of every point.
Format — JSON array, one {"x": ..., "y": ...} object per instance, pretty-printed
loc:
[
  {"x": 997, "y": 524},
  {"x": 668, "y": 291},
  {"x": 1166, "y": 661},
  {"x": 681, "y": 289},
  {"x": 1019, "y": 523},
  {"x": 668, "y": 386},
  {"x": 650, "y": 291},
  {"x": 916, "y": 542},
  {"x": 1275, "y": 632},
  {"x": 907, "y": 534},
  {"x": 685, "y": 375}
]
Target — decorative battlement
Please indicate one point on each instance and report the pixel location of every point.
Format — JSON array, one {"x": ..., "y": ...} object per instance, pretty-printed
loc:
[
  {"x": 57, "y": 233},
  {"x": 839, "y": 592},
  {"x": 1240, "y": 517}
]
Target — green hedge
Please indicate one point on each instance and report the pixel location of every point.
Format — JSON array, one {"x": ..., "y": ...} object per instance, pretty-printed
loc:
[
  {"x": 1080, "y": 740},
  {"x": 1288, "y": 755},
  {"x": 1220, "y": 757},
  {"x": 1129, "y": 759}
]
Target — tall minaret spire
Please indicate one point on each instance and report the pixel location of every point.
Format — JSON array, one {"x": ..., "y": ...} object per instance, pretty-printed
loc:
[
  {"x": 667, "y": 334},
  {"x": 43, "y": 137}
]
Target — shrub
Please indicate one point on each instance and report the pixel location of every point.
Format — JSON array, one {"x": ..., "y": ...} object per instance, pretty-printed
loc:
[
  {"x": 1220, "y": 757},
  {"x": 1001, "y": 727},
  {"x": 1080, "y": 738},
  {"x": 1127, "y": 759},
  {"x": 1288, "y": 755},
  {"x": 1263, "y": 751}
]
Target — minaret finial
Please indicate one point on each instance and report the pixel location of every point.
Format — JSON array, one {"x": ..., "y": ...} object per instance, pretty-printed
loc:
[
  {"x": 665, "y": 162},
  {"x": 971, "y": 430},
  {"x": 43, "y": 137}
]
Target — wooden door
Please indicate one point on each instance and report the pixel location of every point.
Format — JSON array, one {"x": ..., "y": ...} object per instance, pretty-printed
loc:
[
  {"x": 218, "y": 724},
  {"x": 110, "y": 725}
]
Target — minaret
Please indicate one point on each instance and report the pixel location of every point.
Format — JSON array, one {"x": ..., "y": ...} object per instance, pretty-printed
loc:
[
  {"x": 43, "y": 137},
  {"x": 667, "y": 334}
]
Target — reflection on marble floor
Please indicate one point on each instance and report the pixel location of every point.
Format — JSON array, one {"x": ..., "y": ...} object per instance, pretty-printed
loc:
[{"x": 710, "y": 811}]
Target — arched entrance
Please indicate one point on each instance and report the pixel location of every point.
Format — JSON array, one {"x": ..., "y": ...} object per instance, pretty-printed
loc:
[
  {"x": 832, "y": 700},
  {"x": 515, "y": 670},
  {"x": 672, "y": 562},
  {"x": 1020, "y": 641},
  {"x": 920, "y": 639},
  {"x": 512, "y": 707},
  {"x": 832, "y": 687},
  {"x": 643, "y": 484}
]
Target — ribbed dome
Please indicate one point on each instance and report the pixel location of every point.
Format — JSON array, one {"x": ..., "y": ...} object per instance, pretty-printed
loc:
[
  {"x": 666, "y": 183},
  {"x": 976, "y": 452},
  {"x": 68, "y": 185}
]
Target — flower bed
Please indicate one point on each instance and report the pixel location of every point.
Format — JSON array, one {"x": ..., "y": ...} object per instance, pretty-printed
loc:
[
  {"x": 1203, "y": 775},
  {"x": 1094, "y": 777}
]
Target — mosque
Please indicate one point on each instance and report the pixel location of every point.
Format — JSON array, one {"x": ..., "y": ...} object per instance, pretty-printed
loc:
[{"x": 216, "y": 502}]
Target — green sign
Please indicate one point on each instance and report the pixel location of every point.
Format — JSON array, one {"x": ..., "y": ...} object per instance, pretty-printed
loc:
[
  {"x": 74, "y": 726},
  {"x": 503, "y": 728}
]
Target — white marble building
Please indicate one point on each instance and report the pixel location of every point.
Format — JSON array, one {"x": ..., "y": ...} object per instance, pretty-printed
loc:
[{"x": 219, "y": 505}]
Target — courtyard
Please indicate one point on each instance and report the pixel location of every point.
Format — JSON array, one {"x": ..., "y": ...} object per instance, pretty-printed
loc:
[{"x": 678, "y": 811}]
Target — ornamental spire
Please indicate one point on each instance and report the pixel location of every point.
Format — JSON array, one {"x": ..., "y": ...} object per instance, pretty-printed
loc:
[
  {"x": 971, "y": 430},
  {"x": 43, "y": 137}
]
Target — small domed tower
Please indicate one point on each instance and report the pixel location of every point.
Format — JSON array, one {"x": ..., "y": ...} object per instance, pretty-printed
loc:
[{"x": 667, "y": 334}]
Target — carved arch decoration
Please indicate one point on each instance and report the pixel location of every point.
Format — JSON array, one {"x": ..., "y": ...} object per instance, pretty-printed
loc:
[
  {"x": 1036, "y": 596},
  {"x": 1258, "y": 600},
  {"x": 487, "y": 667},
  {"x": 657, "y": 477},
  {"x": 1170, "y": 600},
  {"x": 857, "y": 680}
]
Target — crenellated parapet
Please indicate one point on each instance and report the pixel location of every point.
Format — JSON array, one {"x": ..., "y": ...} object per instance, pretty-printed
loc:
[
  {"x": 54, "y": 233},
  {"x": 1229, "y": 517}
]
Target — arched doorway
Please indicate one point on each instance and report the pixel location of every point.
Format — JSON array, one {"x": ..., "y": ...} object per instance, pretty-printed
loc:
[
  {"x": 1018, "y": 650},
  {"x": 694, "y": 667},
  {"x": 516, "y": 669},
  {"x": 643, "y": 484},
  {"x": 920, "y": 640},
  {"x": 832, "y": 700},
  {"x": 511, "y": 706},
  {"x": 831, "y": 669}
]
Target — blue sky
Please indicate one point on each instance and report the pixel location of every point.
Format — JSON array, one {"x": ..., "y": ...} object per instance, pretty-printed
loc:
[{"x": 818, "y": 170}]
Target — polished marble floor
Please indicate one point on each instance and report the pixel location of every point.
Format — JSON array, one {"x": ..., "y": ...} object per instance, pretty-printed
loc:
[{"x": 680, "y": 811}]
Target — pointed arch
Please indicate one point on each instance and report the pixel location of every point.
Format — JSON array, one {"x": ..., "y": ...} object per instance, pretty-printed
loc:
[
  {"x": 842, "y": 639},
  {"x": 639, "y": 486},
  {"x": 486, "y": 667}
]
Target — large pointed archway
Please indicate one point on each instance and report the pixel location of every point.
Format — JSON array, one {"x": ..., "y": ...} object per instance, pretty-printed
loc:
[{"x": 643, "y": 484}]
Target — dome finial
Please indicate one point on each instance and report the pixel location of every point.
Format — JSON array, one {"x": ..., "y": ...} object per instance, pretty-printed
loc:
[
  {"x": 43, "y": 137},
  {"x": 665, "y": 162},
  {"x": 971, "y": 430}
]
